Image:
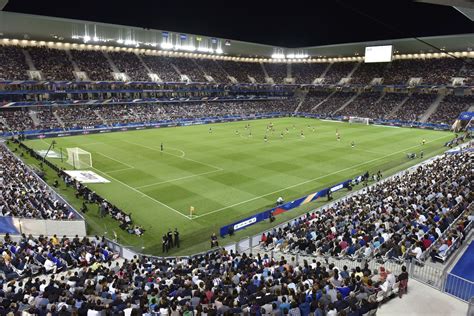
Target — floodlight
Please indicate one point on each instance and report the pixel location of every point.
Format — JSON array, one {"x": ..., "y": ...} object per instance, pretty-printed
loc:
[{"x": 166, "y": 45}]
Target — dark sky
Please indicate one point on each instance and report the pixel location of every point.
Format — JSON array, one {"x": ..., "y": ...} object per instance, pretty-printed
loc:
[{"x": 287, "y": 24}]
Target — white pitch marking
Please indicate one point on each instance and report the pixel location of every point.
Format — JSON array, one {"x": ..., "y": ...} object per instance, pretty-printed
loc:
[
  {"x": 156, "y": 149},
  {"x": 111, "y": 158},
  {"x": 143, "y": 194},
  {"x": 177, "y": 179},
  {"x": 311, "y": 180},
  {"x": 118, "y": 170},
  {"x": 177, "y": 149}
]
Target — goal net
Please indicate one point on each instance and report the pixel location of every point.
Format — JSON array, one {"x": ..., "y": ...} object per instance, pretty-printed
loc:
[
  {"x": 360, "y": 120},
  {"x": 79, "y": 158}
]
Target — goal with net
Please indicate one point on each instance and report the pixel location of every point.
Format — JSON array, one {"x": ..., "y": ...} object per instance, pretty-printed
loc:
[
  {"x": 79, "y": 158},
  {"x": 359, "y": 120}
]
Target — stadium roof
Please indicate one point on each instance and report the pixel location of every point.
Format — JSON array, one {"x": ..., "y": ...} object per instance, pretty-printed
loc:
[
  {"x": 466, "y": 7},
  {"x": 3, "y": 3},
  {"x": 41, "y": 28}
]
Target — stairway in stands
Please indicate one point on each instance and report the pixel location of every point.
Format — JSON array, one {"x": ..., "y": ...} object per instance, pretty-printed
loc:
[
  {"x": 300, "y": 96},
  {"x": 101, "y": 118},
  {"x": 268, "y": 79},
  {"x": 34, "y": 118},
  {"x": 29, "y": 60},
  {"x": 146, "y": 66},
  {"x": 60, "y": 121},
  {"x": 347, "y": 102},
  {"x": 433, "y": 107},
  {"x": 326, "y": 70},
  {"x": 111, "y": 63},
  {"x": 398, "y": 107},
  {"x": 319, "y": 104}
]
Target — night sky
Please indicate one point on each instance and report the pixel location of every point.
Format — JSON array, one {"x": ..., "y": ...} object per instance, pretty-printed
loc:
[{"x": 289, "y": 24}]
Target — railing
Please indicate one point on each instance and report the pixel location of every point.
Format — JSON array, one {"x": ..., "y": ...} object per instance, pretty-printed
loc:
[
  {"x": 426, "y": 274},
  {"x": 448, "y": 283},
  {"x": 449, "y": 230},
  {"x": 458, "y": 287}
]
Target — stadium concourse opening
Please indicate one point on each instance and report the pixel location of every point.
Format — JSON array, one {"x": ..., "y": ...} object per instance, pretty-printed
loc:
[{"x": 156, "y": 172}]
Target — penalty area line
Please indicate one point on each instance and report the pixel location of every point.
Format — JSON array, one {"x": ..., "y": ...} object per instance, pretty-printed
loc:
[
  {"x": 111, "y": 158},
  {"x": 143, "y": 194},
  {"x": 118, "y": 170}
]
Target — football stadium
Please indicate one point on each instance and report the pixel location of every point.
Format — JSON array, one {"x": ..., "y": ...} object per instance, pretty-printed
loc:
[{"x": 146, "y": 171}]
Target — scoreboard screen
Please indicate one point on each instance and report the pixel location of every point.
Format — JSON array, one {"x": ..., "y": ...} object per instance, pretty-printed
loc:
[{"x": 378, "y": 54}]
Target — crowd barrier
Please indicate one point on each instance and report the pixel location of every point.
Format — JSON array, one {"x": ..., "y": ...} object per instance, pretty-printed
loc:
[
  {"x": 259, "y": 217},
  {"x": 458, "y": 287},
  {"x": 44, "y": 227}
]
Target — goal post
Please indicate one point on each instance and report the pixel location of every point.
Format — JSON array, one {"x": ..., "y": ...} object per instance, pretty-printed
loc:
[
  {"x": 359, "y": 120},
  {"x": 79, "y": 158}
]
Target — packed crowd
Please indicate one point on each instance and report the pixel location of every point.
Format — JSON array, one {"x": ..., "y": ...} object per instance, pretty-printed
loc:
[
  {"x": 54, "y": 64},
  {"x": 212, "y": 68},
  {"x": 278, "y": 72},
  {"x": 414, "y": 107},
  {"x": 12, "y": 63},
  {"x": 306, "y": 73},
  {"x": 366, "y": 72},
  {"x": 331, "y": 105},
  {"x": 450, "y": 108},
  {"x": 22, "y": 194},
  {"x": 46, "y": 118},
  {"x": 162, "y": 67},
  {"x": 312, "y": 99},
  {"x": 27, "y": 256},
  {"x": 246, "y": 108},
  {"x": 130, "y": 64},
  {"x": 337, "y": 71},
  {"x": 242, "y": 71},
  {"x": 398, "y": 218},
  {"x": 218, "y": 283},
  {"x": 432, "y": 71},
  {"x": 78, "y": 116},
  {"x": 326, "y": 103},
  {"x": 188, "y": 67},
  {"x": 16, "y": 120},
  {"x": 386, "y": 105},
  {"x": 93, "y": 63},
  {"x": 365, "y": 103},
  {"x": 86, "y": 116}
]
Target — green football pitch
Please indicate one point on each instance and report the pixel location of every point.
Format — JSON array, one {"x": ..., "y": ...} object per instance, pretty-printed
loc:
[{"x": 226, "y": 174}]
